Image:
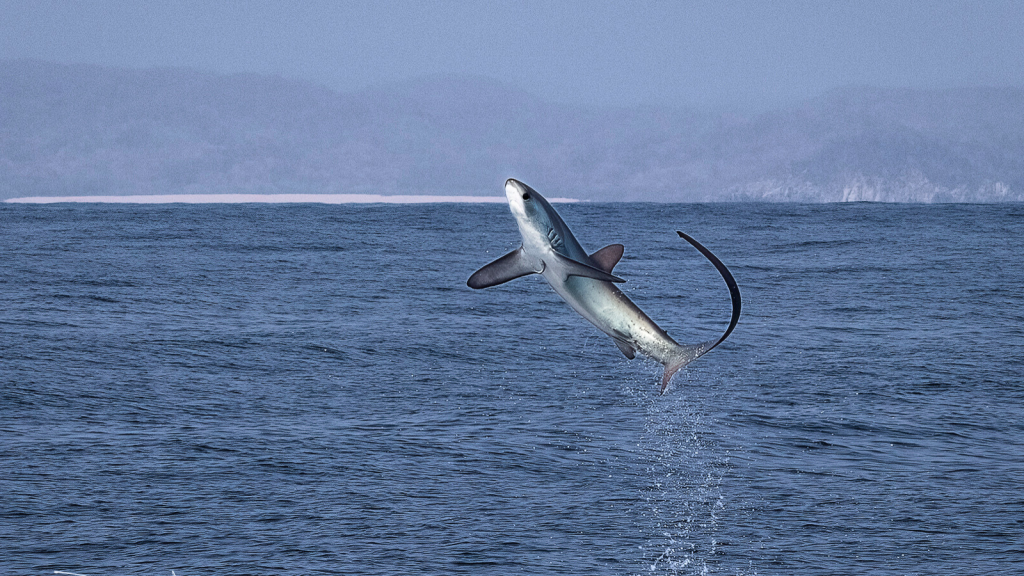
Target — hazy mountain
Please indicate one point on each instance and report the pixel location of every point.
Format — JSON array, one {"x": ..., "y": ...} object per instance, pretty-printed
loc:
[{"x": 78, "y": 130}]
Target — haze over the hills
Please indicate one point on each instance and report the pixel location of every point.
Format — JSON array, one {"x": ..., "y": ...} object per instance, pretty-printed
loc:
[
  {"x": 706, "y": 53},
  {"x": 78, "y": 130}
]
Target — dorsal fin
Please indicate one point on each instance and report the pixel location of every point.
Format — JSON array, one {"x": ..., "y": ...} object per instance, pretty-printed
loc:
[
  {"x": 570, "y": 267},
  {"x": 606, "y": 258}
]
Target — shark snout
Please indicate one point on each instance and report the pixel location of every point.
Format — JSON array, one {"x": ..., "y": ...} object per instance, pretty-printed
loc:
[
  {"x": 514, "y": 191},
  {"x": 514, "y": 187}
]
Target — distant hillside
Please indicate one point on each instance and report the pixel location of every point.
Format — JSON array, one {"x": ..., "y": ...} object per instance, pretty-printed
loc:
[{"x": 78, "y": 130}]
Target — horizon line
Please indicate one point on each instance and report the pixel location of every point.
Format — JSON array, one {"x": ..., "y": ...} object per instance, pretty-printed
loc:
[{"x": 271, "y": 199}]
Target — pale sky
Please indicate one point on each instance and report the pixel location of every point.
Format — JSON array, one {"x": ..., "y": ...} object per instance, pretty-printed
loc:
[{"x": 707, "y": 54}]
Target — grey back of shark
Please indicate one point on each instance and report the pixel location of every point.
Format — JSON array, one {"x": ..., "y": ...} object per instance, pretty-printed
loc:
[{"x": 586, "y": 283}]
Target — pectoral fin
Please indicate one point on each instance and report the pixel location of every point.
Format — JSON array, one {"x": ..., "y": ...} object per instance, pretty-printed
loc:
[
  {"x": 606, "y": 258},
  {"x": 508, "y": 267},
  {"x": 571, "y": 267}
]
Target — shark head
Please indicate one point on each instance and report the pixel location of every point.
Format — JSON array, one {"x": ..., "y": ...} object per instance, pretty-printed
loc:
[
  {"x": 536, "y": 218},
  {"x": 525, "y": 202}
]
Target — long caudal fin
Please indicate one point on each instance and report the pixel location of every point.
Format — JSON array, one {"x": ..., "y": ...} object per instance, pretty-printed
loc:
[{"x": 689, "y": 353}]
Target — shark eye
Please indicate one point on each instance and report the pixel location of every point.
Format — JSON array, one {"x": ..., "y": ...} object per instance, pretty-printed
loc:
[{"x": 526, "y": 195}]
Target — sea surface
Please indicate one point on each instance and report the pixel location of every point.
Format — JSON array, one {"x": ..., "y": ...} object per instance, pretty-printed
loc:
[{"x": 312, "y": 389}]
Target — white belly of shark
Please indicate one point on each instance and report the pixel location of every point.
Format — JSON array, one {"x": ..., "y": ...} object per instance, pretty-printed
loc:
[{"x": 586, "y": 282}]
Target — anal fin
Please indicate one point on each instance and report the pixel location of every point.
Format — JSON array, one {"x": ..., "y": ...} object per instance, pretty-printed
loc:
[{"x": 627, "y": 350}]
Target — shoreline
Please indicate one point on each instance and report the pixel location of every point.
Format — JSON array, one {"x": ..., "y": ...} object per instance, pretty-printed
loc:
[{"x": 270, "y": 199}]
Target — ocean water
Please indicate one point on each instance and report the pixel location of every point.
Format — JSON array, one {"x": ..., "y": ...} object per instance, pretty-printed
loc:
[{"x": 312, "y": 389}]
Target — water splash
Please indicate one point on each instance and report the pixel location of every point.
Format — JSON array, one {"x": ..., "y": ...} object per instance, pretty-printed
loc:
[{"x": 682, "y": 500}]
